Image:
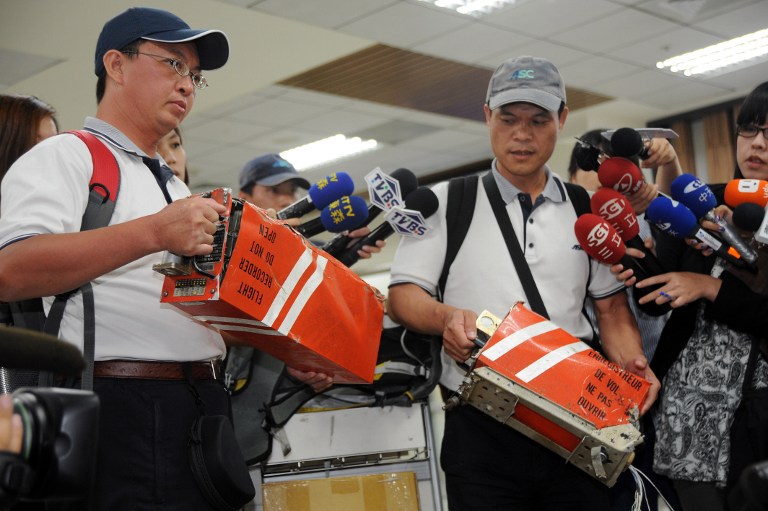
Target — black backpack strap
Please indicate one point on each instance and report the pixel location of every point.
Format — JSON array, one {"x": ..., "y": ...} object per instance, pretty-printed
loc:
[
  {"x": 459, "y": 210},
  {"x": 579, "y": 198}
]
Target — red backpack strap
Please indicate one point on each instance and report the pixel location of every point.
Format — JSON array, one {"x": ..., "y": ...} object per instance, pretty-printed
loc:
[{"x": 105, "y": 182}]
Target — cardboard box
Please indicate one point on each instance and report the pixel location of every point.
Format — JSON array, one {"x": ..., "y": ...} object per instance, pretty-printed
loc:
[
  {"x": 274, "y": 290},
  {"x": 396, "y": 491}
]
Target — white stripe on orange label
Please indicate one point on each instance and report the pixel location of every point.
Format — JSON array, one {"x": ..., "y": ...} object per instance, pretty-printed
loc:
[
  {"x": 517, "y": 338},
  {"x": 287, "y": 288},
  {"x": 305, "y": 294},
  {"x": 252, "y": 330},
  {"x": 550, "y": 360},
  {"x": 226, "y": 319}
]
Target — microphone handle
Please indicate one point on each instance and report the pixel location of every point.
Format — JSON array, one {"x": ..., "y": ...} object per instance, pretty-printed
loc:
[
  {"x": 731, "y": 237},
  {"x": 311, "y": 228},
  {"x": 338, "y": 243},
  {"x": 651, "y": 308},
  {"x": 650, "y": 263},
  {"x": 350, "y": 256},
  {"x": 720, "y": 248},
  {"x": 299, "y": 208}
]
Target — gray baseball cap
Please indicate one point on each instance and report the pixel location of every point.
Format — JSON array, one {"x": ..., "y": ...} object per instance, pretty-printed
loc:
[{"x": 529, "y": 80}]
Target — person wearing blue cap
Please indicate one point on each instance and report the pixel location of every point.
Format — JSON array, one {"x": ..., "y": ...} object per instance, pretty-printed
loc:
[
  {"x": 150, "y": 66},
  {"x": 270, "y": 181},
  {"x": 522, "y": 208}
]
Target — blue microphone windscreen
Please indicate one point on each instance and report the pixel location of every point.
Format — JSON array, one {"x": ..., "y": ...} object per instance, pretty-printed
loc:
[
  {"x": 694, "y": 194},
  {"x": 331, "y": 188},
  {"x": 671, "y": 216},
  {"x": 344, "y": 214}
]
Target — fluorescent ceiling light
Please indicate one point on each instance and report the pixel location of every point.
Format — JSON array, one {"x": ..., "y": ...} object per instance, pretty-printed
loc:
[
  {"x": 327, "y": 150},
  {"x": 471, "y": 7},
  {"x": 724, "y": 57}
]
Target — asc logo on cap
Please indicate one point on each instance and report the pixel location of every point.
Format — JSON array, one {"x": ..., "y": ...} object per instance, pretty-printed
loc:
[{"x": 524, "y": 74}]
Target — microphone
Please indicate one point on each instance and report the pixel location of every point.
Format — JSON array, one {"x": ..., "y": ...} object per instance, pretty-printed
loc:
[
  {"x": 587, "y": 156},
  {"x": 621, "y": 175},
  {"x": 739, "y": 191},
  {"x": 348, "y": 212},
  {"x": 697, "y": 196},
  {"x": 748, "y": 216},
  {"x": 603, "y": 243},
  {"x": 408, "y": 183},
  {"x": 613, "y": 207},
  {"x": 29, "y": 349},
  {"x": 422, "y": 200},
  {"x": 627, "y": 143},
  {"x": 320, "y": 195},
  {"x": 677, "y": 220},
  {"x": 751, "y": 217}
]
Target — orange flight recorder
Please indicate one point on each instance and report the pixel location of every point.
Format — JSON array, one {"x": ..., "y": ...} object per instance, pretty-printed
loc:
[
  {"x": 267, "y": 286},
  {"x": 541, "y": 381}
]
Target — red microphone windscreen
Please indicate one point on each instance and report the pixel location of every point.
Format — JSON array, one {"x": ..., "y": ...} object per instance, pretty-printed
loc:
[
  {"x": 599, "y": 239},
  {"x": 739, "y": 191},
  {"x": 614, "y": 208},
  {"x": 621, "y": 175}
]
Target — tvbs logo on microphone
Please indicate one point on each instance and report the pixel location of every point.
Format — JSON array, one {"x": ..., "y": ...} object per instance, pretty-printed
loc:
[
  {"x": 384, "y": 190},
  {"x": 407, "y": 222}
]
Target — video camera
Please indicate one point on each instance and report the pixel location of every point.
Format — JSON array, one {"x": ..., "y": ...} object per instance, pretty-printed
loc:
[{"x": 58, "y": 456}]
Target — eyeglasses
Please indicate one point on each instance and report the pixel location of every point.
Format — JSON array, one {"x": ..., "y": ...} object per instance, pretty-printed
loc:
[
  {"x": 181, "y": 68},
  {"x": 751, "y": 131}
]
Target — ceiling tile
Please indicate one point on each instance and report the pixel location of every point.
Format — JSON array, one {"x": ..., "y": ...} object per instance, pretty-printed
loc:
[
  {"x": 544, "y": 18},
  {"x": 328, "y": 13},
  {"x": 663, "y": 46},
  {"x": 404, "y": 25},
  {"x": 471, "y": 43},
  {"x": 740, "y": 21},
  {"x": 585, "y": 73},
  {"x": 682, "y": 97},
  {"x": 615, "y": 30},
  {"x": 557, "y": 53}
]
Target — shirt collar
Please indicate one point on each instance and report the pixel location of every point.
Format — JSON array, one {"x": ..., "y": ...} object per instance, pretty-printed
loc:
[
  {"x": 554, "y": 189},
  {"x": 117, "y": 138}
]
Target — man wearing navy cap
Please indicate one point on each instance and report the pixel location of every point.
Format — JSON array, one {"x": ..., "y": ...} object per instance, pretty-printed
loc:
[
  {"x": 488, "y": 465},
  {"x": 150, "y": 66}
]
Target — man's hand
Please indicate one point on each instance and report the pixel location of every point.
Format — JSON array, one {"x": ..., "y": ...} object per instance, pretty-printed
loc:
[
  {"x": 366, "y": 251},
  {"x": 458, "y": 333},
  {"x": 643, "y": 197},
  {"x": 11, "y": 429},
  {"x": 660, "y": 152},
  {"x": 318, "y": 381},
  {"x": 640, "y": 367},
  {"x": 186, "y": 226}
]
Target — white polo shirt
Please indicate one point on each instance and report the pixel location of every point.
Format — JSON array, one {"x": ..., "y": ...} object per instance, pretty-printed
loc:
[
  {"x": 46, "y": 191},
  {"x": 483, "y": 276}
]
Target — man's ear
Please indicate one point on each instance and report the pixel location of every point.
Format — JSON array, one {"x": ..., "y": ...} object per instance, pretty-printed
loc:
[{"x": 113, "y": 64}]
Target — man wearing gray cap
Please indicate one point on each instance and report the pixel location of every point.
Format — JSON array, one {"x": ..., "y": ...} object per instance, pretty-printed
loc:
[
  {"x": 488, "y": 465},
  {"x": 148, "y": 357}
]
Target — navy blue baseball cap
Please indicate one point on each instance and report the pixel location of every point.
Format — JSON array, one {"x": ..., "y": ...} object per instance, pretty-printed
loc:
[
  {"x": 162, "y": 26},
  {"x": 270, "y": 170}
]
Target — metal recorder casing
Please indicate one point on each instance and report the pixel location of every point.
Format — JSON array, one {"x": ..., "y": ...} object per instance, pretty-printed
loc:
[
  {"x": 210, "y": 265},
  {"x": 267, "y": 286},
  {"x": 555, "y": 418}
]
